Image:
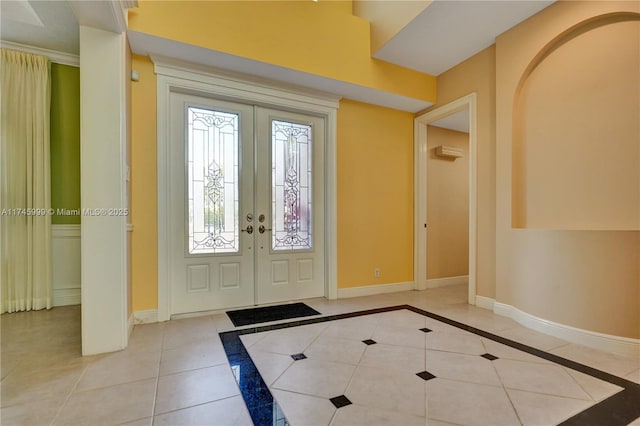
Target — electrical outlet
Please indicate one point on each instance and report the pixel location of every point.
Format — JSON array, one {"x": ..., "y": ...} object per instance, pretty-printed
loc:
[{"x": 376, "y": 272}]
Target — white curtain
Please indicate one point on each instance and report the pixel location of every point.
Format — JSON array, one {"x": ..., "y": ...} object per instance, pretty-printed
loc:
[{"x": 25, "y": 198}]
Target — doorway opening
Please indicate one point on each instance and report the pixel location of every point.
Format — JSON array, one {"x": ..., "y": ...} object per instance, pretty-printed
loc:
[{"x": 461, "y": 112}]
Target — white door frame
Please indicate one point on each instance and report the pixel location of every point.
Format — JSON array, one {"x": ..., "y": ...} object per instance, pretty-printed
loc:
[
  {"x": 175, "y": 76},
  {"x": 420, "y": 185}
]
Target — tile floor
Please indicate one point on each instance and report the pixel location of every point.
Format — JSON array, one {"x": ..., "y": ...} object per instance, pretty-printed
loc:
[{"x": 177, "y": 373}]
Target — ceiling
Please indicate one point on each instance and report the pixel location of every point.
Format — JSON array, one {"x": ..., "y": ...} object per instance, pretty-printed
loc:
[{"x": 446, "y": 33}]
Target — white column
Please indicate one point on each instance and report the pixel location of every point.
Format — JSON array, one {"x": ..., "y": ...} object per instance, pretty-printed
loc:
[{"x": 103, "y": 190}]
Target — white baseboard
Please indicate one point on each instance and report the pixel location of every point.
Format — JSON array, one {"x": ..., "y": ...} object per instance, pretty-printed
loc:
[
  {"x": 370, "y": 290},
  {"x": 606, "y": 342},
  {"x": 66, "y": 296},
  {"x": 145, "y": 317},
  {"x": 65, "y": 231},
  {"x": 485, "y": 302},
  {"x": 130, "y": 325},
  {"x": 444, "y": 282}
]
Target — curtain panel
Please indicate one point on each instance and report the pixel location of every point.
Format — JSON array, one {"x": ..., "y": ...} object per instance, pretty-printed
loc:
[{"x": 25, "y": 188}]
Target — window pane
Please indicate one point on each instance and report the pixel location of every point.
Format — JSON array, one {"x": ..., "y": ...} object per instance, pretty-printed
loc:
[
  {"x": 212, "y": 182},
  {"x": 291, "y": 186}
]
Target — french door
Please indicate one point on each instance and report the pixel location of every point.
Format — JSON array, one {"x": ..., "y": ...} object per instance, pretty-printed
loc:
[{"x": 246, "y": 205}]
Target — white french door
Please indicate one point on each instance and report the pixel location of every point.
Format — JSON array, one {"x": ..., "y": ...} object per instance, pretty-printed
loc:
[{"x": 246, "y": 205}]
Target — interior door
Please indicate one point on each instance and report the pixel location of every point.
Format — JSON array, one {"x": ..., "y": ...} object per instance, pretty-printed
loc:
[
  {"x": 247, "y": 205},
  {"x": 289, "y": 206},
  {"x": 211, "y": 198}
]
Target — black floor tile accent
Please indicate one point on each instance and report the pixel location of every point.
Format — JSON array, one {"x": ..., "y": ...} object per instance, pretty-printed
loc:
[
  {"x": 489, "y": 357},
  {"x": 340, "y": 401},
  {"x": 264, "y": 314},
  {"x": 369, "y": 342},
  {"x": 426, "y": 330},
  {"x": 298, "y": 357},
  {"x": 617, "y": 410},
  {"x": 425, "y": 375}
]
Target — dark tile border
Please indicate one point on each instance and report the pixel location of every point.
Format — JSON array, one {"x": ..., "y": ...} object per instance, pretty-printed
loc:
[{"x": 618, "y": 410}]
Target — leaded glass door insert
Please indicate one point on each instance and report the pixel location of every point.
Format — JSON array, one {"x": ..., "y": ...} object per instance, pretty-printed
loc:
[
  {"x": 213, "y": 190},
  {"x": 291, "y": 186},
  {"x": 289, "y": 206},
  {"x": 246, "y": 205},
  {"x": 211, "y": 183}
]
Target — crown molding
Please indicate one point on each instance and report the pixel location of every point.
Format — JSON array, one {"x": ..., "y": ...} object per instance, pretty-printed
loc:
[{"x": 54, "y": 56}]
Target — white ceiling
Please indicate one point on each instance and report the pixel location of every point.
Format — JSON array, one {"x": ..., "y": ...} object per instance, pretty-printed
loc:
[
  {"x": 458, "y": 121},
  {"x": 443, "y": 35},
  {"x": 450, "y": 31},
  {"x": 45, "y": 24}
]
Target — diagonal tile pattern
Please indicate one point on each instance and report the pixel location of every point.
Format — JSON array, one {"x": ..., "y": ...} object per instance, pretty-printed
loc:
[
  {"x": 420, "y": 370},
  {"x": 436, "y": 375}
]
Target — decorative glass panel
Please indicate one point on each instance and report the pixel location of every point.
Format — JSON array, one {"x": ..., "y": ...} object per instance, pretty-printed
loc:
[
  {"x": 212, "y": 181},
  {"x": 291, "y": 186}
]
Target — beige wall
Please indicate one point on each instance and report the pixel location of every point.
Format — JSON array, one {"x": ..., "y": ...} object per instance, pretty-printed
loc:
[
  {"x": 586, "y": 279},
  {"x": 477, "y": 74},
  {"x": 447, "y": 205},
  {"x": 575, "y": 160}
]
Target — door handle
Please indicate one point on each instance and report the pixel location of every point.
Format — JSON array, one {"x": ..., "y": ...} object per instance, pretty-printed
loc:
[
  {"x": 261, "y": 229},
  {"x": 249, "y": 230}
]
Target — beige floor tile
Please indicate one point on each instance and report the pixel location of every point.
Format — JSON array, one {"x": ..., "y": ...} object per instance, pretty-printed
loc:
[
  {"x": 536, "y": 409},
  {"x": 304, "y": 410},
  {"x": 316, "y": 378},
  {"x": 455, "y": 342},
  {"x": 147, "y": 337},
  {"x": 112, "y": 405},
  {"x": 402, "y": 318},
  {"x": 24, "y": 385},
  {"x": 549, "y": 379},
  {"x": 147, "y": 421},
  {"x": 120, "y": 367},
  {"x": 462, "y": 367},
  {"x": 617, "y": 365},
  {"x": 290, "y": 341},
  {"x": 229, "y": 412},
  {"x": 403, "y": 358},
  {"x": 326, "y": 348},
  {"x": 192, "y": 357},
  {"x": 507, "y": 352},
  {"x": 182, "y": 332},
  {"x": 433, "y": 422},
  {"x": 597, "y": 389},
  {"x": 469, "y": 404},
  {"x": 391, "y": 390},
  {"x": 532, "y": 338},
  {"x": 634, "y": 376},
  {"x": 36, "y": 412},
  {"x": 249, "y": 340},
  {"x": 195, "y": 387},
  {"x": 270, "y": 365},
  {"x": 400, "y": 336},
  {"x": 357, "y": 329},
  {"x": 356, "y": 415}
]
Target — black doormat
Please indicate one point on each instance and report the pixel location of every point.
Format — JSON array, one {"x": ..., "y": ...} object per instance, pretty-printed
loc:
[{"x": 270, "y": 313}]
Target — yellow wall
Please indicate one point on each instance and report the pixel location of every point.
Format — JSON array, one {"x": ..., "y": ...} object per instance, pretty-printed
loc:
[
  {"x": 447, "y": 205},
  {"x": 478, "y": 74},
  {"x": 144, "y": 203},
  {"x": 585, "y": 279},
  {"x": 375, "y": 195},
  {"x": 321, "y": 38},
  {"x": 375, "y": 192}
]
